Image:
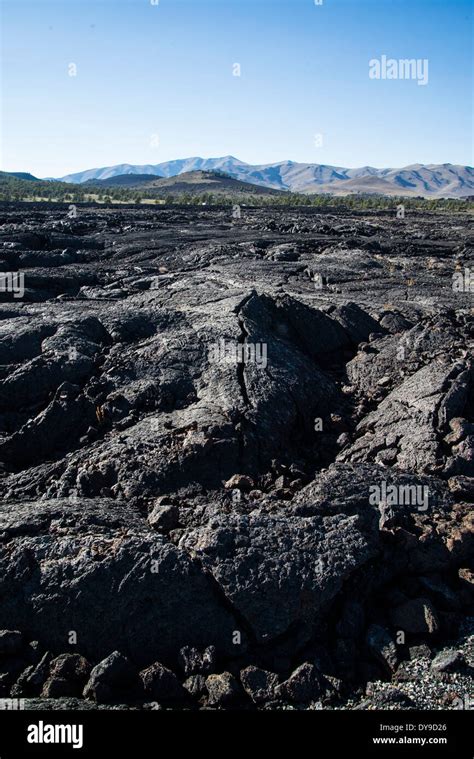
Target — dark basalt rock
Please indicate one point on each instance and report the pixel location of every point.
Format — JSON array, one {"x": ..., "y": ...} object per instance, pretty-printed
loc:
[
  {"x": 116, "y": 579},
  {"x": 68, "y": 674},
  {"x": 194, "y": 662},
  {"x": 33, "y": 678},
  {"x": 447, "y": 661},
  {"x": 209, "y": 431},
  {"x": 111, "y": 679},
  {"x": 223, "y": 690},
  {"x": 259, "y": 684},
  {"x": 278, "y": 571},
  {"x": 303, "y": 685},
  {"x": 162, "y": 684}
]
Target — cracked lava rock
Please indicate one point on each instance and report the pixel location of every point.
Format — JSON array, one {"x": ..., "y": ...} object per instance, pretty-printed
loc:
[{"x": 237, "y": 459}]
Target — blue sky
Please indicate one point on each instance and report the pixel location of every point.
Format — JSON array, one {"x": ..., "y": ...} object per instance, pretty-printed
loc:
[{"x": 149, "y": 74}]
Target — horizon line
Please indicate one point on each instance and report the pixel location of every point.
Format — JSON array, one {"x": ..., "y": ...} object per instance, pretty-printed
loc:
[{"x": 229, "y": 156}]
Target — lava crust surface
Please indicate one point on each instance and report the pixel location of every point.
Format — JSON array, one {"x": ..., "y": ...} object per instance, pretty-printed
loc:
[{"x": 236, "y": 457}]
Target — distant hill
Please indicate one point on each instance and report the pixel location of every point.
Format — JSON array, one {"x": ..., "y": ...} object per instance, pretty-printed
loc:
[
  {"x": 191, "y": 182},
  {"x": 123, "y": 180},
  {"x": 20, "y": 175},
  {"x": 371, "y": 185},
  {"x": 132, "y": 187},
  {"x": 212, "y": 187},
  {"x": 427, "y": 180},
  {"x": 109, "y": 172}
]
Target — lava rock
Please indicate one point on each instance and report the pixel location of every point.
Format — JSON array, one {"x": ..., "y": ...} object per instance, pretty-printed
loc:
[
  {"x": 165, "y": 600},
  {"x": 421, "y": 651},
  {"x": 114, "y": 392},
  {"x": 161, "y": 684},
  {"x": 388, "y": 698},
  {"x": 239, "y": 482},
  {"x": 267, "y": 565},
  {"x": 68, "y": 675},
  {"x": 447, "y": 661},
  {"x": 193, "y": 662},
  {"x": 195, "y": 685},
  {"x": 259, "y": 684},
  {"x": 112, "y": 679},
  {"x": 223, "y": 690},
  {"x": 462, "y": 486},
  {"x": 164, "y": 517},
  {"x": 31, "y": 681},
  {"x": 303, "y": 685}
]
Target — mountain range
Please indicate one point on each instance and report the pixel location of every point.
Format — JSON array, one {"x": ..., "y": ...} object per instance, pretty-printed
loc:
[
  {"x": 191, "y": 182},
  {"x": 427, "y": 180}
]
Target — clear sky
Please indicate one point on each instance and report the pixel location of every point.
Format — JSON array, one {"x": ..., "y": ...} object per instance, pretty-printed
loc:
[{"x": 155, "y": 82}]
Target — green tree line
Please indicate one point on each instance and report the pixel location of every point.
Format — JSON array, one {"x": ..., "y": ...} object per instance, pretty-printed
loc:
[{"x": 15, "y": 189}]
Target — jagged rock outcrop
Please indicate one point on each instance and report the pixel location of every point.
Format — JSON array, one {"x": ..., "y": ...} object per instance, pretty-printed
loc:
[{"x": 235, "y": 456}]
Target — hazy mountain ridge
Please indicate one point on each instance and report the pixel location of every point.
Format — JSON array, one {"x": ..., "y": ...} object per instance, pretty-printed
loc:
[
  {"x": 20, "y": 175},
  {"x": 192, "y": 182},
  {"x": 431, "y": 180}
]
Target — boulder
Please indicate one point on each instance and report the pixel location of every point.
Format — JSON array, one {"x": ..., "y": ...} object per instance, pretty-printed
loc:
[
  {"x": 161, "y": 684},
  {"x": 113, "y": 679},
  {"x": 259, "y": 684},
  {"x": 223, "y": 690}
]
